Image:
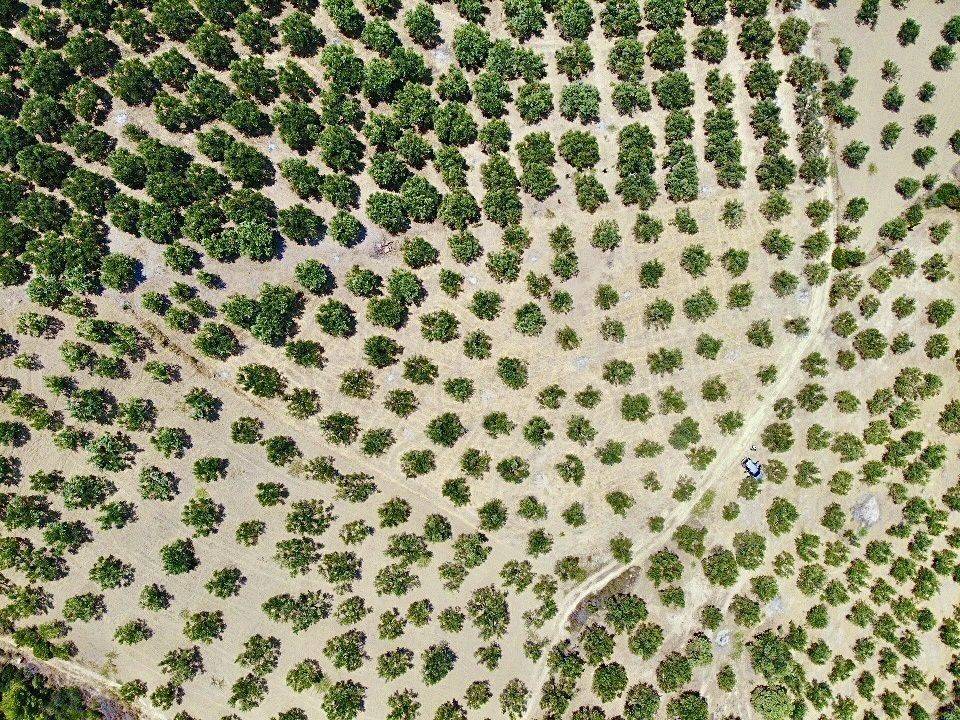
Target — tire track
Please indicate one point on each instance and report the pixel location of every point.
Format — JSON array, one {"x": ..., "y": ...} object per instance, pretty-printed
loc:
[{"x": 612, "y": 570}]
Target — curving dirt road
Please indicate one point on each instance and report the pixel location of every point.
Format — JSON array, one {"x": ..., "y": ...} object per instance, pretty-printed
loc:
[{"x": 728, "y": 458}]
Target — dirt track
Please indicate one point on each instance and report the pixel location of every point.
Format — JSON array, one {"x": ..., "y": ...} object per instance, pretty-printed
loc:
[{"x": 727, "y": 459}]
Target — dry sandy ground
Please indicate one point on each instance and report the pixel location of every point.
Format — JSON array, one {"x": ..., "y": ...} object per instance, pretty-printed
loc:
[{"x": 159, "y": 523}]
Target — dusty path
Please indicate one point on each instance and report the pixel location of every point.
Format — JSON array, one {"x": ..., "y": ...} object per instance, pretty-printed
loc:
[
  {"x": 468, "y": 517},
  {"x": 729, "y": 457},
  {"x": 84, "y": 676}
]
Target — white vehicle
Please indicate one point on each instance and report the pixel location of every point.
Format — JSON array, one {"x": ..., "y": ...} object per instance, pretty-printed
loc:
[{"x": 753, "y": 468}]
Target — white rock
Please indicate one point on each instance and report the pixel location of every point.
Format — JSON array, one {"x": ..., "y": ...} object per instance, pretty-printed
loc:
[
  {"x": 121, "y": 119},
  {"x": 867, "y": 510}
]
